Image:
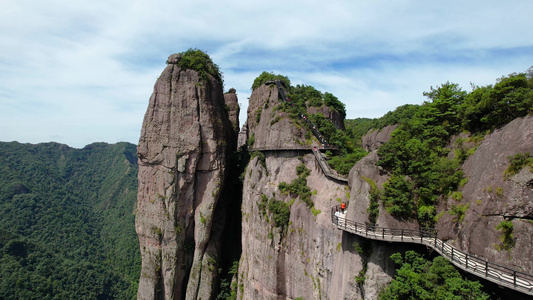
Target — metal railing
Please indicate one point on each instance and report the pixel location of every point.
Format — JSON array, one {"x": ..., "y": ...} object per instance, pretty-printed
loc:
[
  {"x": 286, "y": 148},
  {"x": 500, "y": 275},
  {"x": 325, "y": 167}
]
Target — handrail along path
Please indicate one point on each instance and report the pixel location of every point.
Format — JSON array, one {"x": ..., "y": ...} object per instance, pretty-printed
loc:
[{"x": 500, "y": 275}]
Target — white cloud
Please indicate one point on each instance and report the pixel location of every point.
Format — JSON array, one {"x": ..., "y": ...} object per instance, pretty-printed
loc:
[{"x": 83, "y": 71}]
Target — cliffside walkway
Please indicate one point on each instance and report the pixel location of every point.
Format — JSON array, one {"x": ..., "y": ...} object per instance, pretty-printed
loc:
[
  {"x": 326, "y": 169},
  {"x": 500, "y": 275}
]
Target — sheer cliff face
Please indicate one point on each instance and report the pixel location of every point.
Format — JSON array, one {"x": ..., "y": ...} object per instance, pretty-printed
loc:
[
  {"x": 492, "y": 198},
  {"x": 298, "y": 262},
  {"x": 182, "y": 161}
]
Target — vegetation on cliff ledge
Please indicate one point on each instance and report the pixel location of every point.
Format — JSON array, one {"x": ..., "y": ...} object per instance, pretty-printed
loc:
[
  {"x": 417, "y": 154},
  {"x": 198, "y": 60},
  {"x": 304, "y": 97},
  {"x": 269, "y": 76}
]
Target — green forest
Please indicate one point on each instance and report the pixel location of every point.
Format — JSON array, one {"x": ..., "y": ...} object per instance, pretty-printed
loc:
[{"x": 67, "y": 221}]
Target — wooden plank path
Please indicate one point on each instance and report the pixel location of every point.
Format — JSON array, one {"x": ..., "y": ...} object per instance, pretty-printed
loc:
[
  {"x": 326, "y": 169},
  {"x": 318, "y": 155},
  {"x": 500, "y": 275}
]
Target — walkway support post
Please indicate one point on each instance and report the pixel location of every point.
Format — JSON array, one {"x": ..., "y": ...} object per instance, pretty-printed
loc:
[{"x": 452, "y": 253}]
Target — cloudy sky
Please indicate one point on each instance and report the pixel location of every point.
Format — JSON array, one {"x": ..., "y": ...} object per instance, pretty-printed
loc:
[{"x": 78, "y": 72}]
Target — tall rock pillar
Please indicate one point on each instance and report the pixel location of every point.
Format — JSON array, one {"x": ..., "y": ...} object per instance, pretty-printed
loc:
[{"x": 185, "y": 140}]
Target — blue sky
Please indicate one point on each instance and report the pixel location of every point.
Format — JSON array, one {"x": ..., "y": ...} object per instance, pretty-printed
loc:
[{"x": 77, "y": 72}]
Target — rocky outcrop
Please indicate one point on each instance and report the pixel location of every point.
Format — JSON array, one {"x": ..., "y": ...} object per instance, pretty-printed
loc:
[
  {"x": 270, "y": 127},
  {"x": 366, "y": 173},
  {"x": 488, "y": 195},
  {"x": 182, "y": 154},
  {"x": 243, "y": 136},
  {"x": 233, "y": 108},
  {"x": 491, "y": 199},
  {"x": 366, "y": 260},
  {"x": 375, "y": 138},
  {"x": 330, "y": 113}
]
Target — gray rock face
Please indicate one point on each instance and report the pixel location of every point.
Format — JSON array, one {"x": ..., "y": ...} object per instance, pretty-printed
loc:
[
  {"x": 271, "y": 128},
  {"x": 182, "y": 161},
  {"x": 489, "y": 196},
  {"x": 311, "y": 259},
  {"x": 232, "y": 106},
  {"x": 375, "y": 138},
  {"x": 491, "y": 199},
  {"x": 243, "y": 136},
  {"x": 301, "y": 261}
]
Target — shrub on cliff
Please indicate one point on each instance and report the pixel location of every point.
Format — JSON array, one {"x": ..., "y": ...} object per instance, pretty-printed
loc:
[
  {"x": 517, "y": 162},
  {"x": 199, "y": 61},
  {"x": 298, "y": 187},
  {"x": 269, "y": 76},
  {"x": 417, "y": 148}
]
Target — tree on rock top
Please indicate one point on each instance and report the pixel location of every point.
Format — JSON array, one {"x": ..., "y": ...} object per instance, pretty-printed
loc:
[
  {"x": 198, "y": 60},
  {"x": 269, "y": 76}
]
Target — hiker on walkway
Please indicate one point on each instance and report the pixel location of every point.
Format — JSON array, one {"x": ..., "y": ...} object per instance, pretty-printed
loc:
[{"x": 343, "y": 207}]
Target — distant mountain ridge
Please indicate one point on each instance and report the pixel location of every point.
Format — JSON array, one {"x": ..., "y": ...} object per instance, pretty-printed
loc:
[{"x": 67, "y": 221}]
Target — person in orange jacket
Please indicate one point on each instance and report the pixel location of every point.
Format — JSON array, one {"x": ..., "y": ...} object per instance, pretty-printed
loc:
[{"x": 343, "y": 206}]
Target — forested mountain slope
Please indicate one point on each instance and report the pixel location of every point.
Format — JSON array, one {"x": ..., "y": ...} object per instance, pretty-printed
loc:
[{"x": 67, "y": 221}]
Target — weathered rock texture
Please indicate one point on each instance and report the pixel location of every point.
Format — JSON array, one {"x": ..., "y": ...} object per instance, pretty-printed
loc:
[
  {"x": 311, "y": 259},
  {"x": 270, "y": 127},
  {"x": 182, "y": 164},
  {"x": 492, "y": 199},
  {"x": 375, "y": 138},
  {"x": 232, "y": 106},
  {"x": 300, "y": 261}
]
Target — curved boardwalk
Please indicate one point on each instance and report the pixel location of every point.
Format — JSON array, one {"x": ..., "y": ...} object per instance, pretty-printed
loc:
[{"x": 500, "y": 275}]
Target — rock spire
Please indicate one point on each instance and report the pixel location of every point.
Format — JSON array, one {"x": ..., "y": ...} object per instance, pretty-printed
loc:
[{"x": 183, "y": 150}]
